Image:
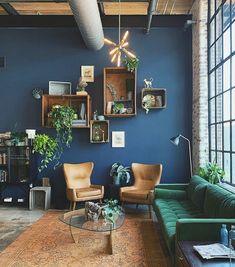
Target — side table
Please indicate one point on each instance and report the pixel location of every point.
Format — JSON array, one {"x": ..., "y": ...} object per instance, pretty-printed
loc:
[
  {"x": 40, "y": 197},
  {"x": 186, "y": 256}
]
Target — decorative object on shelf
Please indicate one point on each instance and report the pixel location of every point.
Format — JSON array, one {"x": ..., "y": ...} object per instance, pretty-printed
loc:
[
  {"x": 111, "y": 210},
  {"x": 81, "y": 87},
  {"x": 31, "y": 134},
  {"x": 87, "y": 73},
  {"x": 59, "y": 88},
  {"x": 118, "y": 108},
  {"x": 37, "y": 93},
  {"x": 92, "y": 211},
  {"x": 175, "y": 140},
  {"x": 148, "y": 83},
  {"x": 95, "y": 115},
  {"x": 46, "y": 181},
  {"x": 131, "y": 64},
  {"x": 118, "y": 139},
  {"x": 130, "y": 87},
  {"x": 101, "y": 118},
  {"x": 212, "y": 172},
  {"x": 121, "y": 175},
  {"x": 47, "y": 147},
  {"x": 112, "y": 91},
  {"x": 148, "y": 101},
  {"x": 62, "y": 120},
  {"x": 116, "y": 52},
  {"x": 98, "y": 133}
]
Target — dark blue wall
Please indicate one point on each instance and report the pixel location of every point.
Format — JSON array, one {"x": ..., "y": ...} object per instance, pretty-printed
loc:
[{"x": 36, "y": 56}]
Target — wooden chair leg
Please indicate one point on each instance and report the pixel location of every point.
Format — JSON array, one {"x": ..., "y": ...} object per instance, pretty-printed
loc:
[
  {"x": 70, "y": 205},
  {"x": 122, "y": 204},
  {"x": 100, "y": 201},
  {"x": 150, "y": 211},
  {"x": 74, "y": 205}
]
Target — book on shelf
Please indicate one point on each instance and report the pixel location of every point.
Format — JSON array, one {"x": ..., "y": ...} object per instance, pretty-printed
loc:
[{"x": 215, "y": 250}]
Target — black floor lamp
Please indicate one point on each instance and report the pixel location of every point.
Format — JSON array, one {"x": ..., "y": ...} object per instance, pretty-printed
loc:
[{"x": 175, "y": 140}]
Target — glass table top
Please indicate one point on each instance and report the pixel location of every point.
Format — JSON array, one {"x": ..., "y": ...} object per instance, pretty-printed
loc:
[{"x": 77, "y": 219}]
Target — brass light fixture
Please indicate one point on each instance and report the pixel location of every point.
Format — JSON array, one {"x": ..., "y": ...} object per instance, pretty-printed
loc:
[{"x": 116, "y": 52}]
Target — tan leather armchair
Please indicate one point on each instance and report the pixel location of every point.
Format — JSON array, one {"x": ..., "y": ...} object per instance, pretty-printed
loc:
[
  {"x": 146, "y": 176},
  {"x": 79, "y": 187}
]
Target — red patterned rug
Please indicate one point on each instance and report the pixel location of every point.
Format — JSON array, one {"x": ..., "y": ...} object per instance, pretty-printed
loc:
[{"x": 48, "y": 243}]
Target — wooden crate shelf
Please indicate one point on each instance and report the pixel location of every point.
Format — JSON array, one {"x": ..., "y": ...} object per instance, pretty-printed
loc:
[
  {"x": 73, "y": 101},
  {"x": 99, "y": 131},
  {"x": 159, "y": 98},
  {"x": 121, "y": 101}
]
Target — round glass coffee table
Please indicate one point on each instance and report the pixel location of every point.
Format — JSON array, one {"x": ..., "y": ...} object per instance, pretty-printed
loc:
[{"x": 76, "y": 220}]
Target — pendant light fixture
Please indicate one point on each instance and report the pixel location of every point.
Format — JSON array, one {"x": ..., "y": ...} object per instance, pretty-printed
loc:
[{"x": 116, "y": 52}]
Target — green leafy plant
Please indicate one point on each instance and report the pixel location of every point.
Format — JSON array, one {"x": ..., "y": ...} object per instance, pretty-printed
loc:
[
  {"x": 117, "y": 107},
  {"x": 18, "y": 137},
  {"x": 120, "y": 173},
  {"x": 111, "y": 210},
  {"x": 212, "y": 172},
  {"x": 62, "y": 119},
  {"x": 47, "y": 147},
  {"x": 131, "y": 63}
]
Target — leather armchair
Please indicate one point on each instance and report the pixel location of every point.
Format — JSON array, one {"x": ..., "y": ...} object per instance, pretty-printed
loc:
[
  {"x": 146, "y": 177},
  {"x": 79, "y": 187}
]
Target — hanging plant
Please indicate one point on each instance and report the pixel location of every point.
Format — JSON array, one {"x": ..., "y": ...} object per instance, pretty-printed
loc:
[
  {"x": 62, "y": 120},
  {"x": 47, "y": 147},
  {"x": 131, "y": 63}
]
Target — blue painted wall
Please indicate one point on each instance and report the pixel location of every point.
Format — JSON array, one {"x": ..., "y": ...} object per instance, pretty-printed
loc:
[{"x": 36, "y": 56}]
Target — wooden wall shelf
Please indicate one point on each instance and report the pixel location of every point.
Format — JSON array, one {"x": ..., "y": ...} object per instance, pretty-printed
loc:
[
  {"x": 119, "y": 92},
  {"x": 99, "y": 131},
  {"x": 76, "y": 102},
  {"x": 159, "y": 98}
]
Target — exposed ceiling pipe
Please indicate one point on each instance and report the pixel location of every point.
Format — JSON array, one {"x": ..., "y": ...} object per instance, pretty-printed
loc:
[
  {"x": 87, "y": 16},
  {"x": 151, "y": 11}
]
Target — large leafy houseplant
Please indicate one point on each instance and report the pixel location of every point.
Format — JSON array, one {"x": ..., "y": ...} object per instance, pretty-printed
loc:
[
  {"x": 120, "y": 174},
  {"x": 111, "y": 210},
  {"x": 62, "y": 119},
  {"x": 47, "y": 147},
  {"x": 212, "y": 172}
]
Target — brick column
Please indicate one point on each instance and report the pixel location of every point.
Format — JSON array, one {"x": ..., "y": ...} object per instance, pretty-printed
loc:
[{"x": 200, "y": 140}]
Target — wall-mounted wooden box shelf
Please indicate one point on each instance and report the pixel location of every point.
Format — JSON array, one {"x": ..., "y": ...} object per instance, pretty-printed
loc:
[
  {"x": 99, "y": 131},
  {"x": 119, "y": 92},
  {"x": 81, "y": 105},
  {"x": 157, "y": 96}
]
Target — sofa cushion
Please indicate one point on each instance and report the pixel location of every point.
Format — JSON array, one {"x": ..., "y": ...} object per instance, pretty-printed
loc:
[
  {"x": 219, "y": 203},
  {"x": 88, "y": 192},
  {"x": 172, "y": 194},
  {"x": 136, "y": 194},
  {"x": 196, "y": 191}
]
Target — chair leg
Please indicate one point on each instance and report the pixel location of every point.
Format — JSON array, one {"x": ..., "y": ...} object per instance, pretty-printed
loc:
[
  {"x": 70, "y": 205},
  {"x": 100, "y": 201},
  {"x": 137, "y": 205},
  {"x": 122, "y": 204},
  {"x": 74, "y": 205},
  {"x": 150, "y": 211}
]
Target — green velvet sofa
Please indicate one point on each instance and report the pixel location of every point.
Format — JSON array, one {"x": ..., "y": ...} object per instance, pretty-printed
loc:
[{"x": 193, "y": 211}]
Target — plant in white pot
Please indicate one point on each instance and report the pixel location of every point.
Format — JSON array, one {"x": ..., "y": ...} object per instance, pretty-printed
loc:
[{"x": 120, "y": 174}]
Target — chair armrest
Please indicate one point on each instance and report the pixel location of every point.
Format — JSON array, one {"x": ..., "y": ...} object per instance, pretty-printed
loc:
[
  {"x": 170, "y": 194},
  {"x": 98, "y": 187},
  {"x": 71, "y": 194},
  {"x": 127, "y": 188},
  {"x": 200, "y": 229}
]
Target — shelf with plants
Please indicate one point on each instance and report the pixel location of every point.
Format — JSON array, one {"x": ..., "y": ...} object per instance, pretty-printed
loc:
[
  {"x": 80, "y": 104},
  {"x": 99, "y": 131},
  {"x": 119, "y": 92},
  {"x": 153, "y": 98}
]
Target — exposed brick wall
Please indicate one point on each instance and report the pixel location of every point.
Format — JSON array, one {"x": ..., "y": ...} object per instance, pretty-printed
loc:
[{"x": 200, "y": 142}]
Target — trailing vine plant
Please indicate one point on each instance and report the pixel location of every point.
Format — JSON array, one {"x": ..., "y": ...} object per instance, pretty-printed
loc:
[{"x": 131, "y": 63}]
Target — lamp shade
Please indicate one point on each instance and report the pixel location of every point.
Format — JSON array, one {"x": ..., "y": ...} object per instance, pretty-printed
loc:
[{"x": 175, "y": 140}]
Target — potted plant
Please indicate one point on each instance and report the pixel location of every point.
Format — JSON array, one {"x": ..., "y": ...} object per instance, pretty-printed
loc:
[
  {"x": 18, "y": 138},
  {"x": 111, "y": 210},
  {"x": 118, "y": 108},
  {"x": 212, "y": 172},
  {"x": 62, "y": 120},
  {"x": 81, "y": 87},
  {"x": 47, "y": 147},
  {"x": 120, "y": 174},
  {"x": 131, "y": 63}
]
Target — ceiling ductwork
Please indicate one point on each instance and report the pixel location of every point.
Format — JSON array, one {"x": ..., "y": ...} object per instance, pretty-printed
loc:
[{"x": 87, "y": 16}]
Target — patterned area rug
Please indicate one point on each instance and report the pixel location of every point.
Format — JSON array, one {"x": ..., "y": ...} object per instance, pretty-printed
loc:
[{"x": 48, "y": 243}]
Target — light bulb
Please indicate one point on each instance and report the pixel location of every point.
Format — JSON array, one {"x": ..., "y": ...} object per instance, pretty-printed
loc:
[
  {"x": 113, "y": 50},
  {"x": 119, "y": 59},
  {"x": 125, "y": 36},
  {"x": 108, "y": 41}
]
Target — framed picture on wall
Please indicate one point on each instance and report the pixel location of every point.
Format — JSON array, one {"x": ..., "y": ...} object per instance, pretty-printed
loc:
[
  {"x": 87, "y": 73},
  {"x": 118, "y": 139}
]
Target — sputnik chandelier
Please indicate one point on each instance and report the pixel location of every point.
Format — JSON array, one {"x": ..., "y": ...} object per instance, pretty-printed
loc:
[{"x": 116, "y": 52}]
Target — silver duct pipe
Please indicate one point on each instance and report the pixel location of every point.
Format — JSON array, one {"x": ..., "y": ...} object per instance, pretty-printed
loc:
[{"x": 87, "y": 16}]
